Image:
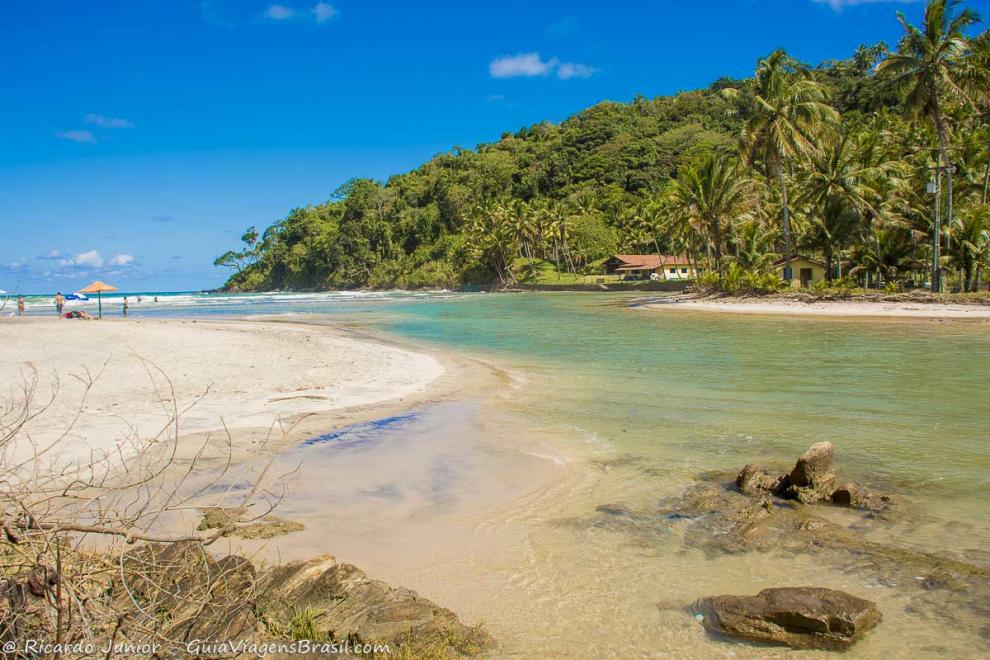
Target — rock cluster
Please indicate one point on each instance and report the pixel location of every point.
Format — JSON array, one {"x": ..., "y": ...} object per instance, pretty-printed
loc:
[
  {"x": 800, "y": 617},
  {"x": 812, "y": 479},
  {"x": 245, "y": 603},
  {"x": 754, "y": 510}
]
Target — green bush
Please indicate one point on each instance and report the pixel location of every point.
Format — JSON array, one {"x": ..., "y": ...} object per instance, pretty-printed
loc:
[
  {"x": 737, "y": 280},
  {"x": 841, "y": 288}
]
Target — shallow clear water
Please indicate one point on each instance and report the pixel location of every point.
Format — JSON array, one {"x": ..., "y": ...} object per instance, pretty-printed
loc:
[{"x": 645, "y": 401}]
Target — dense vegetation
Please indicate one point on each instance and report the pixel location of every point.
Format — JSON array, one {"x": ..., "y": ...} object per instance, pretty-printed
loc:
[{"x": 833, "y": 162}]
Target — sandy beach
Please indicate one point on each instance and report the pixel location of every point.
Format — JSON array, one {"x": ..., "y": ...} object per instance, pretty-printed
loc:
[
  {"x": 242, "y": 375},
  {"x": 836, "y": 308}
]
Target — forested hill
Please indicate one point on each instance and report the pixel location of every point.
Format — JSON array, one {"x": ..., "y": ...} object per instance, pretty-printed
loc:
[
  {"x": 572, "y": 193},
  {"x": 411, "y": 231}
]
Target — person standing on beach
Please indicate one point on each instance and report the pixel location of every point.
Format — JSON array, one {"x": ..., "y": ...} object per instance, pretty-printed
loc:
[
  {"x": 20, "y": 305},
  {"x": 59, "y": 303},
  {"x": 125, "y": 305}
]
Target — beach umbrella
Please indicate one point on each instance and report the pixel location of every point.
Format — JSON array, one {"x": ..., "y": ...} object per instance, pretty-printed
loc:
[{"x": 98, "y": 288}]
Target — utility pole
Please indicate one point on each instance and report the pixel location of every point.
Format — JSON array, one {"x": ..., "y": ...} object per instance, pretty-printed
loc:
[{"x": 935, "y": 188}]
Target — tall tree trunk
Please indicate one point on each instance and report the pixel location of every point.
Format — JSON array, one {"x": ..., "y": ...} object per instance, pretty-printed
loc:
[
  {"x": 828, "y": 261},
  {"x": 717, "y": 240},
  {"x": 788, "y": 275},
  {"x": 937, "y": 240},
  {"x": 656, "y": 244}
]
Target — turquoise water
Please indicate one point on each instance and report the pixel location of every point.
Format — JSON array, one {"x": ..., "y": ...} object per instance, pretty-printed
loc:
[{"x": 903, "y": 401}]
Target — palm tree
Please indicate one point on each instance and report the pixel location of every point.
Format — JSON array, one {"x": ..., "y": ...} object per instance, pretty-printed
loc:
[
  {"x": 971, "y": 245},
  {"x": 889, "y": 253},
  {"x": 788, "y": 112},
  {"x": 711, "y": 195},
  {"x": 838, "y": 189},
  {"x": 492, "y": 238},
  {"x": 977, "y": 78},
  {"x": 930, "y": 69}
]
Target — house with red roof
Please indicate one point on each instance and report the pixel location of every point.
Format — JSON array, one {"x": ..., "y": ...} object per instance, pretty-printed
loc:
[{"x": 651, "y": 267}]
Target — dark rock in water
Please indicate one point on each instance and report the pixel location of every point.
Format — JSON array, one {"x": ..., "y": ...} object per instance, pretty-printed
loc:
[
  {"x": 725, "y": 521},
  {"x": 752, "y": 479},
  {"x": 813, "y": 477},
  {"x": 613, "y": 509},
  {"x": 844, "y": 495},
  {"x": 815, "y": 468},
  {"x": 800, "y": 617}
]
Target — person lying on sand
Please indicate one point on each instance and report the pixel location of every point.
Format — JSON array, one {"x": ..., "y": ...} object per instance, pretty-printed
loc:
[{"x": 78, "y": 314}]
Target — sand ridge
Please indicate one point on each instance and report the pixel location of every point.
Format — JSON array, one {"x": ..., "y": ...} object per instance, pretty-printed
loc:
[{"x": 234, "y": 373}]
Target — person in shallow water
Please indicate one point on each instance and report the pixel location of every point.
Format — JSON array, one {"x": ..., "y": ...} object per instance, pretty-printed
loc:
[
  {"x": 59, "y": 303},
  {"x": 20, "y": 305},
  {"x": 125, "y": 306}
]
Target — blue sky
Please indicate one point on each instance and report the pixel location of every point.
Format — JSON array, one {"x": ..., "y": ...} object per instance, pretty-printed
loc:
[{"x": 139, "y": 139}]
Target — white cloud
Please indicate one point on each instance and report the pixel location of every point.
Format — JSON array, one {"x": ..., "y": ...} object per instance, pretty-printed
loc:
[
  {"x": 106, "y": 122},
  {"x": 51, "y": 254},
  {"x": 838, "y": 5},
  {"x": 80, "y": 136},
  {"x": 120, "y": 260},
  {"x": 91, "y": 259},
  {"x": 531, "y": 64},
  {"x": 279, "y": 12},
  {"x": 568, "y": 70},
  {"x": 323, "y": 12},
  {"x": 523, "y": 64}
]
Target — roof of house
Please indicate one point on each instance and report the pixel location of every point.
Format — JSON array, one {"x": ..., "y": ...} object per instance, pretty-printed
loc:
[
  {"x": 648, "y": 261},
  {"x": 780, "y": 262}
]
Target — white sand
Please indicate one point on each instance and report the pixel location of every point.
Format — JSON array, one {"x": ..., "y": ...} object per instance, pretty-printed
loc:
[
  {"x": 832, "y": 308},
  {"x": 252, "y": 374}
]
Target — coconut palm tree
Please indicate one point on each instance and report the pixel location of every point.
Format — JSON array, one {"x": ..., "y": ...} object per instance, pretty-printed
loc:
[
  {"x": 788, "y": 112},
  {"x": 711, "y": 195},
  {"x": 493, "y": 240},
  {"x": 840, "y": 190},
  {"x": 977, "y": 80},
  {"x": 970, "y": 248},
  {"x": 930, "y": 69}
]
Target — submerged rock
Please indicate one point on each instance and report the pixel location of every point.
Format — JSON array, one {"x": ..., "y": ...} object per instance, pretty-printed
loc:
[
  {"x": 722, "y": 520},
  {"x": 800, "y": 617},
  {"x": 752, "y": 480}
]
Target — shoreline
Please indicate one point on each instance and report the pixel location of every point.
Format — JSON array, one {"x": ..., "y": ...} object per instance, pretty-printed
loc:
[{"x": 832, "y": 308}]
